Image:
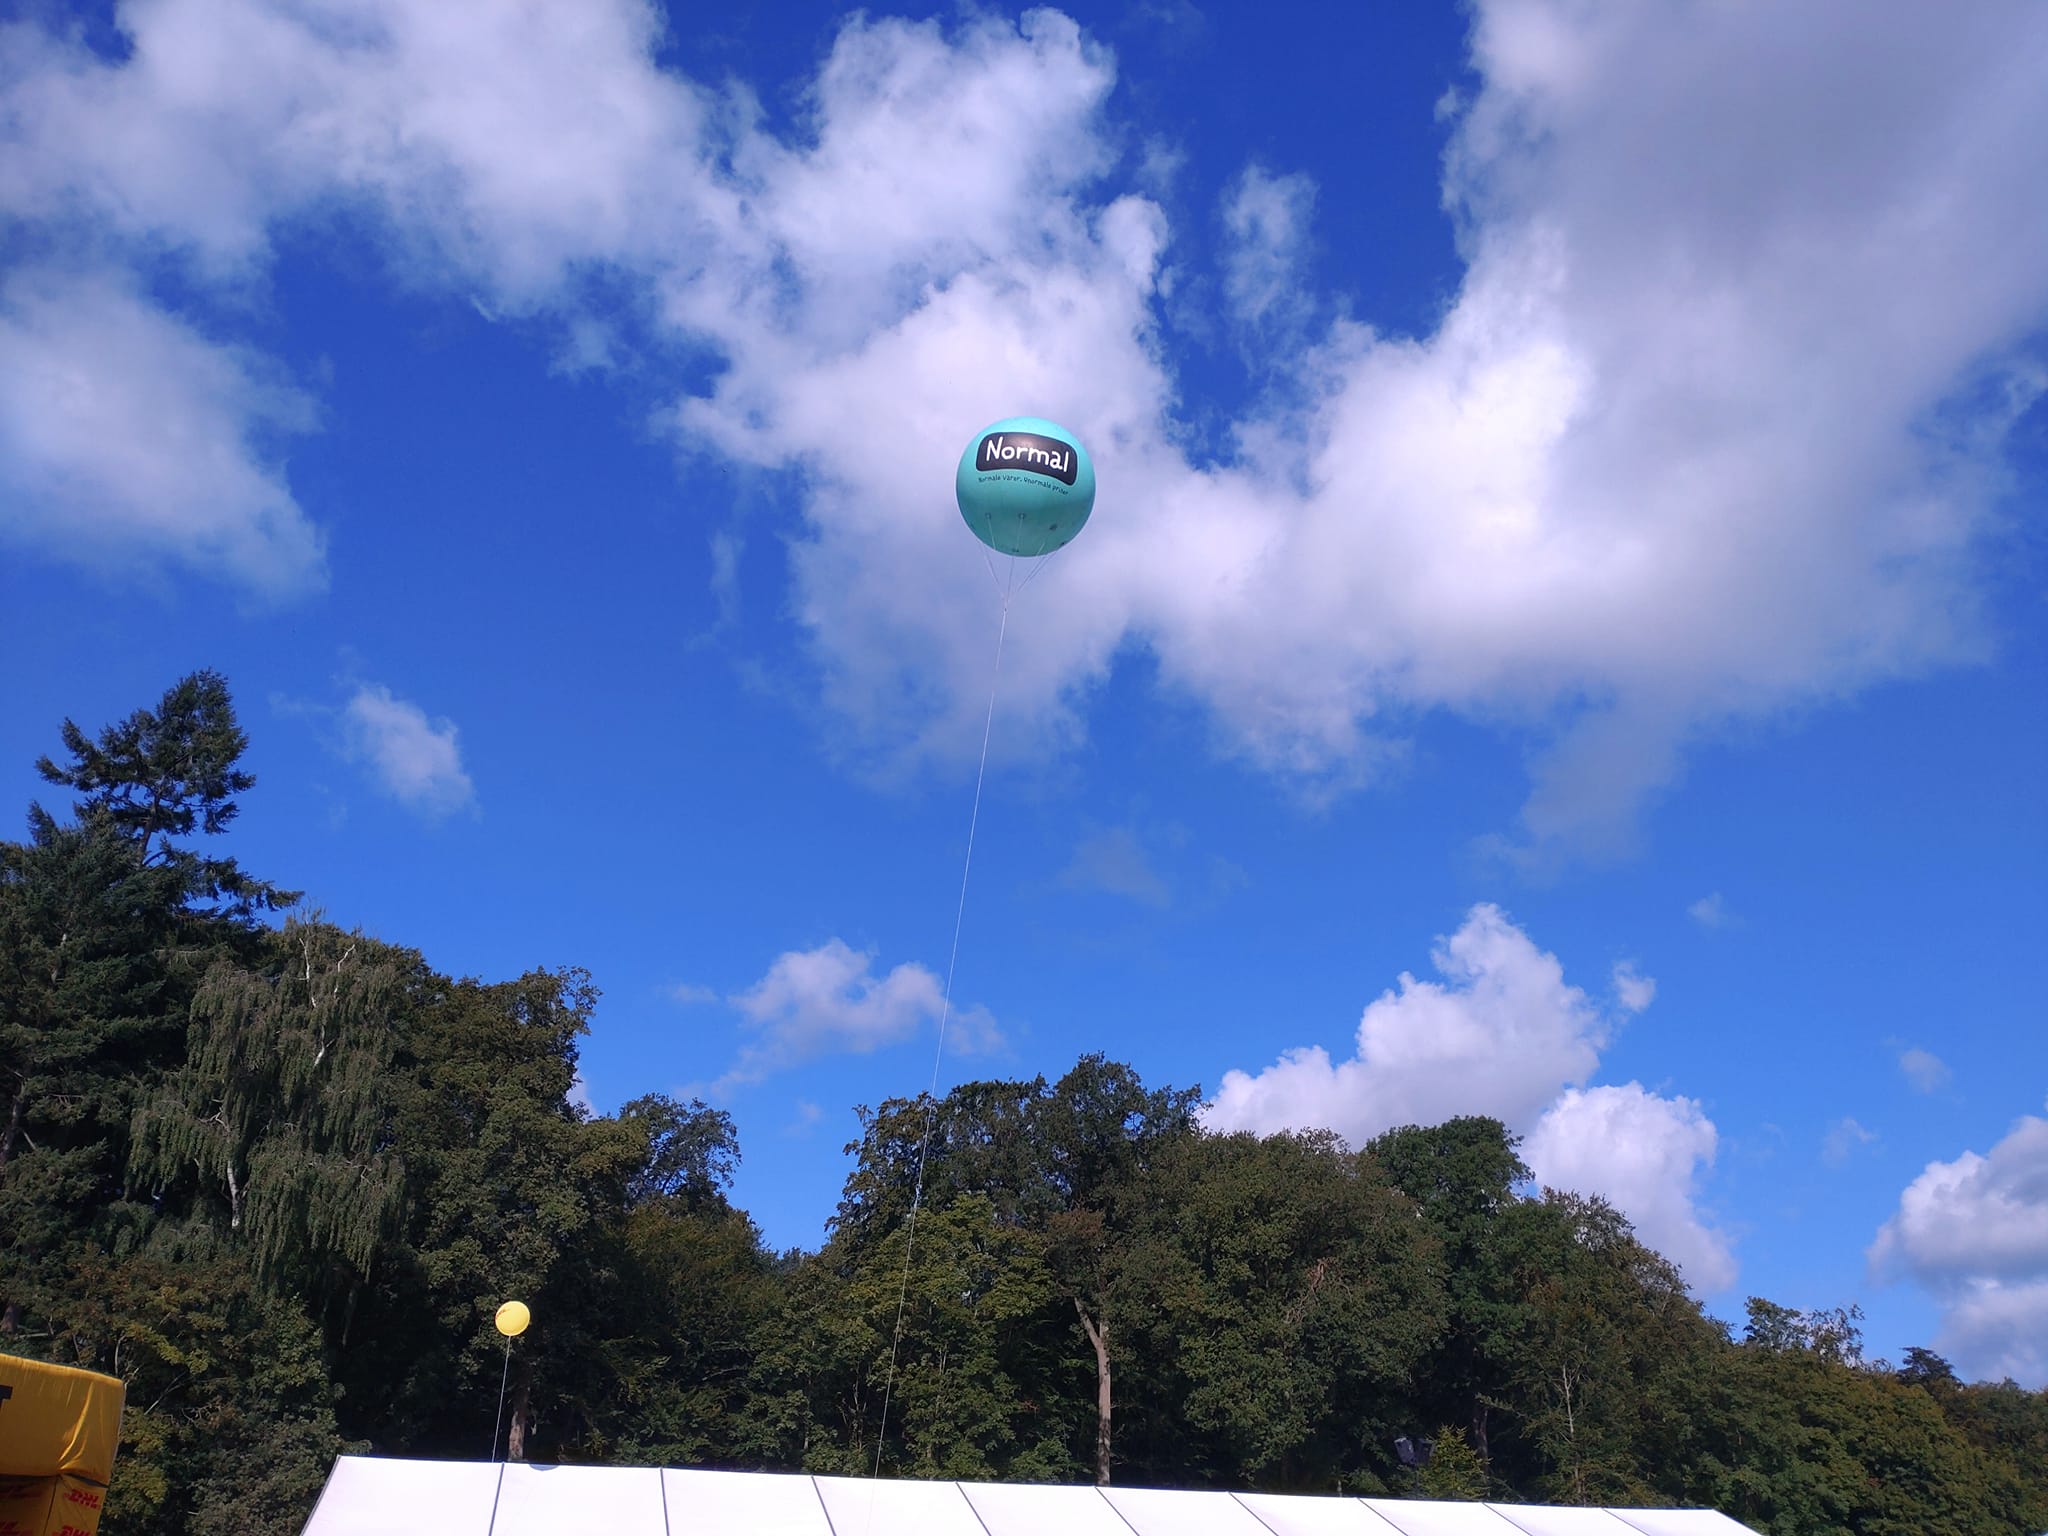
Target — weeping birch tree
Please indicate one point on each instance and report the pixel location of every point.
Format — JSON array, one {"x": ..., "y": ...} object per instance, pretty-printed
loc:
[{"x": 281, "y": 1112}]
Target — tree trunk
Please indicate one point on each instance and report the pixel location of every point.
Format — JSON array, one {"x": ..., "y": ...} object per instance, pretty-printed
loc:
[
  {"x": 1571, "y": 1436},
  {"x": 1479, "y": 1427},
  {"x": 7, "y": 1137},
  {"x": 1098, "y": 1335},
  {"x": 522, "y": 1408}
]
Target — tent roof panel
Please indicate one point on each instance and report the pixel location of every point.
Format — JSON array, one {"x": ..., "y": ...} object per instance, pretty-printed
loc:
[
  {"x": 1559, "y": 1520},
  {"x": 861, "y": 1506},
  {"x": 1181, "y": 1512},
  {"x": 1287, "y": 1514},
  {"x": 1681, "y": 1522},
  {"x": 370, "y": 1496},
  {"x": 760, "y": 1503},
  {"x": 542, "y": 1501},
  {"x": 1030, "y": 1509},
  {"x": 374, "y": 1495},
  {"x": 1417, "y": 1517}
]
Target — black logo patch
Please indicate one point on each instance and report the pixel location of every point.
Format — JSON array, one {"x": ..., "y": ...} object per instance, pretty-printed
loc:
[{"x": 1026, "y": 450}]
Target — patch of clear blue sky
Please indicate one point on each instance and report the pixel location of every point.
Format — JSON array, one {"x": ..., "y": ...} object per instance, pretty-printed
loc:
[{"x": 520, "y": 552}]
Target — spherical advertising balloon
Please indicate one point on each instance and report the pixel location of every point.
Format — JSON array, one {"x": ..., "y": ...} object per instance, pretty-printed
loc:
[
  {"x": 513, "y": 1318},
  {"x": 1025, "y": 486}
]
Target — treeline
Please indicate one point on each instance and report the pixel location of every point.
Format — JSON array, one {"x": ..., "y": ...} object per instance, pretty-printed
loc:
[{"x": 277, "y": 1176}]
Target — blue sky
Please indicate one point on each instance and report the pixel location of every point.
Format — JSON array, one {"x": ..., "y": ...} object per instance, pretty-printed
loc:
[{"x": 1561, "y": 633}]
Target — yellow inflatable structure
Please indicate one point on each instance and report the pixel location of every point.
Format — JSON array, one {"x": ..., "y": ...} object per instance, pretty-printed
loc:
[{"x": 59, "y": 1428}]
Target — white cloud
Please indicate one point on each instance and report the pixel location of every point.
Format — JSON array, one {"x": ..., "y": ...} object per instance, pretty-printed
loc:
[
  {"x": 808, "y": 1117},
  {"x": 1677, "y": 453},
  {"x": 1632, "y": 990},
  {"x": 498, "y": 145},
  {"x": 689, "y": 993},
  {"x": 507, "y": 142},
  {"x": 1974, "y": 1232},
  {"x": 1843, "y": 1139},
  {"x": 1500, "y": 1035},
  {"x": 1711, "y": 911},
  {"x": 1645, "y": 1154},
  {"x": 418, "y": 761},
  {"x": 1977, "y": 1215},
  {"x": 1503, "y": 1034},
  {"x": 126, "y": 436},
  {"x": 726, "y": 549},
  {"x": 1926, "y": 1071},
  {"x": 1998, "y": 1329},
  {"x": 829, "y": 1001},
  {"x": 1266, "y": 223},
  {"x": 1115, "y": 860},
  {"x": 1658, "y": 456}
]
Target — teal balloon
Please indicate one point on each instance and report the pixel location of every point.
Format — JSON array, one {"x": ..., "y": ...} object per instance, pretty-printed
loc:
[{"x": 1025, "y": 486}]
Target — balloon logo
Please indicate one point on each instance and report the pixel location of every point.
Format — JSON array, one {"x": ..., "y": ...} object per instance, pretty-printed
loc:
[
  {"x": 513, "y": 1318},
  {"x": 1025, "y": 486}
]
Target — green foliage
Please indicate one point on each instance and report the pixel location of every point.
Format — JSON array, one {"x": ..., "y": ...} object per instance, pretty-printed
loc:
[
  {"x": 1463, "y": 1175},
  {"x": 1291, "y": 1295},
  {"x": 278, "y": 1178},
  {"x": 692, "y": 1151},
  {"x": 230, "y": 1421},
  {"x": 678, "y": 1299},
  {"x": 166, "y": 773},
  {"x": 1603, "y": 1318},
  {"x": 281, "y": 1113},
  {"x": 92, "y": 994},
  {"x": 1454, "y": 1470},
  {"x": 509, "y": 1192}
]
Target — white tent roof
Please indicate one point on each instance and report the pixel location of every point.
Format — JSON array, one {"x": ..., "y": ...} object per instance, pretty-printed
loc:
[{"x": 372, "y": 1496}]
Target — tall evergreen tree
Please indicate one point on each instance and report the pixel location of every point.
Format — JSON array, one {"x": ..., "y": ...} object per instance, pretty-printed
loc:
[
  {"x": 163, "y": 774},
  {"x": 106, "y": 922},
  {"x": 90, "y": 1017}
]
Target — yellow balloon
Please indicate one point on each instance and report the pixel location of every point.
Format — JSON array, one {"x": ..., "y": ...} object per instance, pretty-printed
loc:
[{"x": 513, "y": 1318}]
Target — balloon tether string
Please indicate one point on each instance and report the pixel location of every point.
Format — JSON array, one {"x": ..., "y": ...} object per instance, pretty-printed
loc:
[
  {"x": 931, "y": 1105},
  {"x": 504, "y": 1376}
]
